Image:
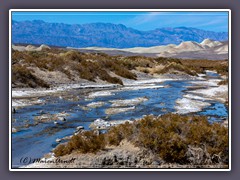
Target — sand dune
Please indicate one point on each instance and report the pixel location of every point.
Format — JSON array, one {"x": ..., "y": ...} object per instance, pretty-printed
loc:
[
  {"x": 221, "y": 49},
  {"x": 186, "y": 46},
  {"x": 206, "y": 46},
  {"x": 210, "y": 43},
  {"x": 30, "y": 48},
  {"x": 208, "y": 49},
  {"x": 189, "y": 46}
]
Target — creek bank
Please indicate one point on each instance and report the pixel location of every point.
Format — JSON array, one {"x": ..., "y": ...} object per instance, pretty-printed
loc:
[
  {"x": 32, "y": 96},
  {"x": 202, "y": 93}
]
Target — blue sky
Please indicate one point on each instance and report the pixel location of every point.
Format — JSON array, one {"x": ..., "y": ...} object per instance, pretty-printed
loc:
[{"x": 212, "y": 21}]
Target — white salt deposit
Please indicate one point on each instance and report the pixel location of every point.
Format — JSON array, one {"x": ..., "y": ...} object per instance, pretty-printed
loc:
[
  {"x": 128, "y": 102},
  {"x": 95, "y": 104},
  {"x": 210, "y": 82},
  {"x": 143, "y": 87},
  {"x": 100, "y": 93},
  {"x": 213, "y": 92},
  {"x": 186, "y": 105}
]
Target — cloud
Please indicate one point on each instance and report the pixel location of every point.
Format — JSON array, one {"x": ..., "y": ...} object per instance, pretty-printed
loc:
[
  {"x": 212, "y": 22},
  {"x": 145, "y": 18}
]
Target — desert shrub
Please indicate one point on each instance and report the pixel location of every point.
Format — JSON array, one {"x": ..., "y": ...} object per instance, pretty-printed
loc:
[
  {"x": 86, "y": 142},
  {"x": 223, "y": 82},
  {"x": 90, "y": 70},
  {"x": 116, "y": 134},
  {"x": 221, "y": 66},
  {"x": 60, "y": 150},
  {"x": 103, "y": 55},
  {"x": 17, "y": 56},
  {"x": 88, "y": 65},
  {"x": 125, "y": 73},
  {"x": 170, "y": 137},
  {"x": 91, "y": 66},
  {"x": 222, "y": 69},
  {"x": 24, "y": 76},
  {"x": 117, "y": 68},
  {"x": 173, "y": 149},
  {"x": 73, "y": 55},
  {"x": 166, "y": 61},
  {"x": 67, "y": 72},
  {"x": 132, "y": 62},
  {"x": 145, "y": 70},
  {"x": 36, "y": 54},
  {"x": 175, "y": 67},
  {"x": 162, "y": 137},
  {"x": 212, "y": 137},
  {"x": 106, "y": 77}
]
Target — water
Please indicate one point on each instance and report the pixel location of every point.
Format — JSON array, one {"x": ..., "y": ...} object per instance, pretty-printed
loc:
[
  {"x": 39, "y": 139},
  {"x": 212, "y": 74}
]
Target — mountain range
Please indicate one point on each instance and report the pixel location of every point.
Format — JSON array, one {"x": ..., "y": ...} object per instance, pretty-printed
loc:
[{"x": 105, "y": 35}]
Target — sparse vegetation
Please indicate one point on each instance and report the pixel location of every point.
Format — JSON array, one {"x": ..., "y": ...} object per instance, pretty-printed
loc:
[
  {"x": 199, "y": 66},
  {"x": 23, "y": 77},
  {"x": 166, "y": 61},
  {"x": 176, "y": 68},
  {"x": 172, "y": 137},
  {"x": 223, "y": 82},
  {"x": 132, "y": 62},
  {"x": 86, "y": 142},
  {"x": 93, "y": 66}
]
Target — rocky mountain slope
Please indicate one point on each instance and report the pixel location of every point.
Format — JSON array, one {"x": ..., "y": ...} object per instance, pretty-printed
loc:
[{"x": 104, "y": 35}]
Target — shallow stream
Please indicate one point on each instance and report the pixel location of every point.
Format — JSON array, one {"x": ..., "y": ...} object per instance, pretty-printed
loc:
[{"x": 35, "y": 140}]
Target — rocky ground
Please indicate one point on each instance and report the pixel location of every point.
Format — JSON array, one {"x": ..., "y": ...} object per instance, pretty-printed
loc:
[{"x": 126, "y": 155}]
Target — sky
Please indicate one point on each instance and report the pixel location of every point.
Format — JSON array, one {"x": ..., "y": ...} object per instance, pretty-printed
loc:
[{"x": 211, "y": 21}]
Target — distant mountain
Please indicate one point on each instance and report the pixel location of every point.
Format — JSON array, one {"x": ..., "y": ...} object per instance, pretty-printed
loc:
[{"x": 105, "y": 35}]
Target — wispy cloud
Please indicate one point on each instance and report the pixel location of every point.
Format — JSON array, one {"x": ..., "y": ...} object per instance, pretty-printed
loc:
[
  {"x": 206, "y": 20},
  {"x": 145, "y": 18},
  {"x": 212, "y": 22}
]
